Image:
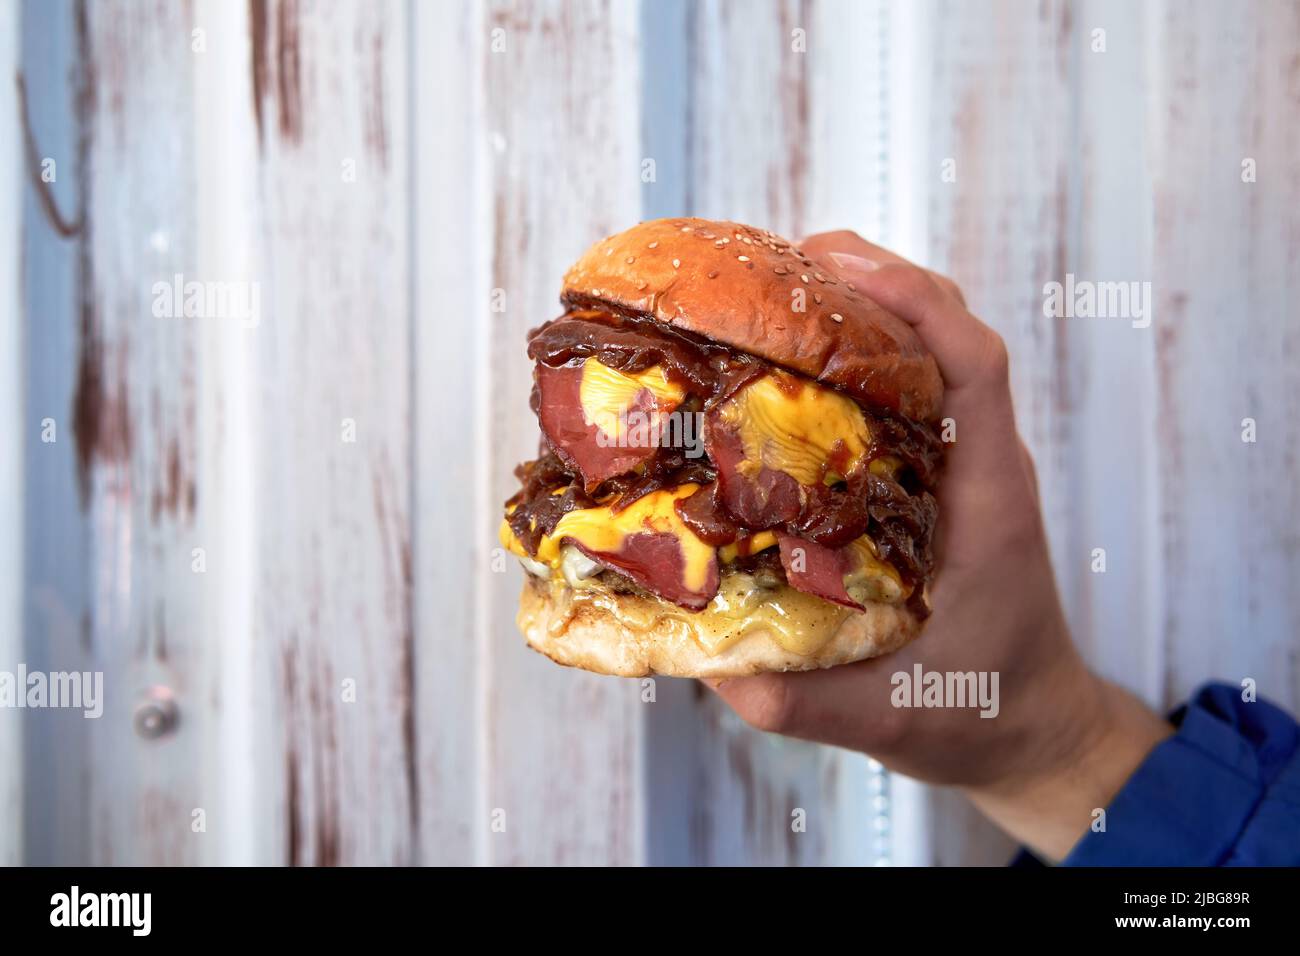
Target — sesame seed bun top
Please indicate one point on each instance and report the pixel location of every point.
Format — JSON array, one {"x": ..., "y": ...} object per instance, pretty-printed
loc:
[{"x": 740, "y": 286}]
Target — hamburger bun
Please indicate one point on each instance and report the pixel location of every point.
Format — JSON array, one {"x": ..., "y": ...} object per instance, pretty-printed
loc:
[
  {"x": 738, "y": 285},
  {"x": 624, "y": 635}
]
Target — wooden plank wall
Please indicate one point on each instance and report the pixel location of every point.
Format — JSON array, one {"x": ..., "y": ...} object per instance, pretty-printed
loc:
[
  {"x": 11, "y": 427},
  {"x": 56, "y": 529},
  {"x": 403, "y": 183},
  {"x": 561, "y": 764},
  {"x": 1226, "y": 269}
]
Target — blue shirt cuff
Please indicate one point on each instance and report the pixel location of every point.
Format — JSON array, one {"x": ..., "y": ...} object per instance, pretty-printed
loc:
[{"x": 1224, "y": 790}]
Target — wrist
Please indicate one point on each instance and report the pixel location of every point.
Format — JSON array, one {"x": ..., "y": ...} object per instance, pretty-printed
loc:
[{"x": 1088, "y": 738}]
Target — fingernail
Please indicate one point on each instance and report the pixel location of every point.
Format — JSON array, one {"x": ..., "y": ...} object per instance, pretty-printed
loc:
[{"x": 846, "y": 261}]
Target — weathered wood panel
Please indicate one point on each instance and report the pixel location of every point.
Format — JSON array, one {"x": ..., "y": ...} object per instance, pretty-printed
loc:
[
  {"x": 1226, "y": 255},
  {"x": 13, "y": 431},
  {"x": 1107, "y": 238},
  {"x": 56, "y": 565},
  {"x": 330, "y": 364},
  {"x": 563, "y": 755},
  {"x": 287, "y": 639},
  {"x": 132, "y": 422},
  {"x": 452, "y": 504},
  {"x": 999, "y": 80}
]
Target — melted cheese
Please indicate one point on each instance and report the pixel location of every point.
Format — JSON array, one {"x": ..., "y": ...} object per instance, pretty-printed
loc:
[
  {"x": 794, "y": 426},
  {"x": 601, "y": 530},
  {"x": 752, "y": 544},
  {"x": 607, "y": 394},
  {"x": 886, "y": 467},
  {"x": 873, "y": 579}
]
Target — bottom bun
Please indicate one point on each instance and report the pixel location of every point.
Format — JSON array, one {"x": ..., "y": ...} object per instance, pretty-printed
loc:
[{"x": 628, "y": 635}]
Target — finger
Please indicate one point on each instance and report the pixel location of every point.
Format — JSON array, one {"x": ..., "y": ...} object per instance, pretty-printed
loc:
[
  {"x": 843, "y": 241},
  {"x": 971, "y": 357},
  {"x": 967, "y": 350},
  {"x": 847, "y": 706}
]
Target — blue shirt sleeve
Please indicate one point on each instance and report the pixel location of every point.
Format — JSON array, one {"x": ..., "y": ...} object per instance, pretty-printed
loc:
[{"x": 1223, "y": 791}]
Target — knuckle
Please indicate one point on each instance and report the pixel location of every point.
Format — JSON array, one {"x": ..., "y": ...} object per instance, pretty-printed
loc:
[
  {"x": 917, "y": 284},
  {"x": 996, "y": 360},
  {"x": 836, "y": 237}
]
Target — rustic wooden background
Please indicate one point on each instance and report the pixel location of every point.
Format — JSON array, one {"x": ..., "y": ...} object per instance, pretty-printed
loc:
[{"x": 490, "y": 143}]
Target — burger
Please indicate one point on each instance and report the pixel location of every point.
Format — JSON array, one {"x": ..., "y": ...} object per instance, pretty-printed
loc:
[{"x": 736, "y": 463}]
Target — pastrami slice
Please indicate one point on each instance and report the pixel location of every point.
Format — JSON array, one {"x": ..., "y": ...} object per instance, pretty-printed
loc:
[
  {"x": 758, "y": 496},
  {"x": 596, "y": 455},
  {"x": 657, "y": 562},
  {"x": 818, "y": 570}
]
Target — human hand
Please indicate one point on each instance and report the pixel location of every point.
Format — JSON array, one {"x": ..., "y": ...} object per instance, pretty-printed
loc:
[{"x": 1063, "y": 741}]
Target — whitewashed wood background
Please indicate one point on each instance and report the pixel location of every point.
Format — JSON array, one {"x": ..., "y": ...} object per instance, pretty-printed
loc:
[{"x": 490, "y": 143}]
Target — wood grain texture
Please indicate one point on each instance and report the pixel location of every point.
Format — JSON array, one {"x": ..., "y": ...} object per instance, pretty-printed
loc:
[
  {"x": 331, "y": 366},
  {"x": 1226, "y": 256},
  {"x": 451, "y": 244},
  {"x": 562, "y": 757},
  {"x": 132, "y": 421},
  {"x": 226, "y": 433},
  {"x": 13, "y": 431},
  {"x": 56, "y": 577}
]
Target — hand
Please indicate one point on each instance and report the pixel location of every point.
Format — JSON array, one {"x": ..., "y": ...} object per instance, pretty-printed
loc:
[{"x": 1063, "y": 741}]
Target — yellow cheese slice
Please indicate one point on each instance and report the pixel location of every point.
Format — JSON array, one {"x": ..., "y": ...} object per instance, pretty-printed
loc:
[
  {"x": 794, "y": 426},
  {"x": 599, "y": 529},
  {"x": 607, "y": 394}
]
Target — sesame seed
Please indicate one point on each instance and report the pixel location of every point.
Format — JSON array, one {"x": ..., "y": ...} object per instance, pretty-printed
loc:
[
  {"x": 654, "y": 245},
  {"x": 686, "y": 228},
  {"x": 817, "y": 297},
  {"x": 852, "y": 287},
  {"x": 713, "y": 275},
  {"x": 836, "y": 317},
  {"x": 718, "y": 244},
  {"x": 609, "y": 252},
  {"x": 743, "y": 258},
  {"x": 804, "y": 278},
  {"x": 705, "y": 234},
  {"x": 726, "y": 239},
  {"x": 819, "y": 277},
  {"x": 677, "y": 263},
  {"x": 640, "y": 286}
]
